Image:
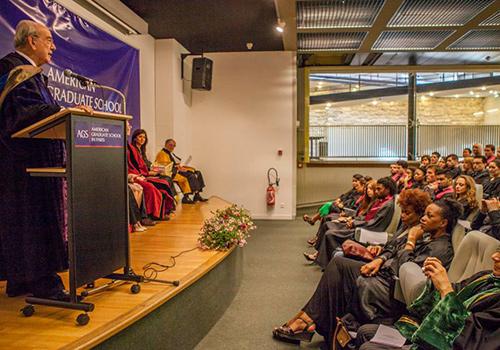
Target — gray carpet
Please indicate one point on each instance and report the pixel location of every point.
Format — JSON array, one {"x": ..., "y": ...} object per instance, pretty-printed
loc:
[{"x": 277, "y": 282}]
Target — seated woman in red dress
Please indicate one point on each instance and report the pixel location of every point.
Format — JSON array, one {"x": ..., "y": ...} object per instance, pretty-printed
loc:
[{"x": 157, "y": 193}]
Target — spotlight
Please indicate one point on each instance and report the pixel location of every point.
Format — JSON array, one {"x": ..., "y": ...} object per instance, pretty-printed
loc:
[
  {"x": 431, "y": 94},
  {"x": 281, "y": 26}
]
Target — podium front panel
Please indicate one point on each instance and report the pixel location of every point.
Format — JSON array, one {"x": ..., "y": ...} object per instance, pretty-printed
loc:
[{"x": 97, "y": 198}]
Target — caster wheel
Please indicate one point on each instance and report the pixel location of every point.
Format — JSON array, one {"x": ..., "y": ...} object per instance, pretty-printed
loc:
[
  {"x": 82, "y": 319},
  {"x": 136, "y": 288},
  {"x": 28, "y": 310}
]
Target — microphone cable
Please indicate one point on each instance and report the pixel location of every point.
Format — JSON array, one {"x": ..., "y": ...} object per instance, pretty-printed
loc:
[{"x": 152, "y": 269}]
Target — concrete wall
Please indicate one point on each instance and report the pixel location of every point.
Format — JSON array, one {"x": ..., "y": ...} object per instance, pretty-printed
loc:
[{"x": 430, "y": 110}]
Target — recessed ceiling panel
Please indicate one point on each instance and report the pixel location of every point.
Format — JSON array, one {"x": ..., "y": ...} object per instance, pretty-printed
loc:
[
  {"x": 481, "y": 39},
  {"x": 337, "y": 13},
  {"x": 345, "y": 41},
  {"x": 494, "y": 20},
  {"x": 432, "y": 13},
  {"x": 410, "y": 40}
]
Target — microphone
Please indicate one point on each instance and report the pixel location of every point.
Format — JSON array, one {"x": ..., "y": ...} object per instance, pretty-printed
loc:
[{"x": 81, "y": 78}]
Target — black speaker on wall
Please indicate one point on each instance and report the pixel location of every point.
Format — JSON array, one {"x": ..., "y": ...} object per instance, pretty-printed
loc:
[{"x": 201, "y": 79}]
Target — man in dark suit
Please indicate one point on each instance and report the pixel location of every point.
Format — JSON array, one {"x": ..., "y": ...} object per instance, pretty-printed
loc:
[{"x": 32, "y": 218}]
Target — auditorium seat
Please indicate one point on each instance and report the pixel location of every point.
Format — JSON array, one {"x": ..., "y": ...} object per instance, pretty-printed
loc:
[{"x": 472, "y": 255}]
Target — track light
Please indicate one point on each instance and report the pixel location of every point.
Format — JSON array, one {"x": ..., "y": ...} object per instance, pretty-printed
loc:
[{"x": 280, "y": 27}]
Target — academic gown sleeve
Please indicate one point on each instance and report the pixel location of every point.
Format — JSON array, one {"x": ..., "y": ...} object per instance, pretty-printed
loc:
[
  {"x": 440, "y": 248},
  {"x": 162, "y": 158}
]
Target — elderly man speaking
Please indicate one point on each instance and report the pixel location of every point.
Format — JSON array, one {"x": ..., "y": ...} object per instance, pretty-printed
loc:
[{"x": 32, "y": 244}]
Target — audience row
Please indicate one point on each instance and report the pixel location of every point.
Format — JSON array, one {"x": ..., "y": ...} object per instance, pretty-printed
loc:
[{"x": 416, "y": 211}]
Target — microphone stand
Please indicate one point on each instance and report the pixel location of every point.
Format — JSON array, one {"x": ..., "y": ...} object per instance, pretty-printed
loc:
[{"x": 109, "y": 88}]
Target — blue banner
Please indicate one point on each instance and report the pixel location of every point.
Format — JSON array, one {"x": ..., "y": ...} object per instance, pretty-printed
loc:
[{"x": 82, "y": 48}]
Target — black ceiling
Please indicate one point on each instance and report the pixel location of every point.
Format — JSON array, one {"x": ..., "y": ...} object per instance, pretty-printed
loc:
[{"x": 212, "y": 25}]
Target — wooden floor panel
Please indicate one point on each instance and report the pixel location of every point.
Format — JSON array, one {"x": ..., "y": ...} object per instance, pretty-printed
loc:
[{"x": 52, "y": 328}]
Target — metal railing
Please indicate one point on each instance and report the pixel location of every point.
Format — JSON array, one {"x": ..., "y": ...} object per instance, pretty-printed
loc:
[{"x": 383, "y": 142}]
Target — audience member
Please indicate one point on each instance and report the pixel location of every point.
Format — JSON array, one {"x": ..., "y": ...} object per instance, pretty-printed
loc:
[
  {"x": 435, "y": 156},
  {"x": 376, "y": 300},
  {"x": 488, "y": 218},
  {"x": 452, "y": 165},
  {"x": 431, "y": 179},
  {"x": 418, "y": 178},
  {"x": 480, "y": 173},
  {"x": 441, "y": 163},
  {"x": 477, "y": 149},
  {"x": 376, "y": 219},
  {"x": 447, "y": 315},
  {"x": 342, "y": 290},
  {"x": 425, "y": 161},
  {"x": 347, "y": 200},
  {"x": 489, "y": 153},
  {"x": 395, "y": 171},
  {"x": 335, "y": 220},
  {"x": 498, "y": 152},
  {"x": 189, "y": 179},
  {"x": 465, "y": 194},
  {"x": 444, "y": 185},
  {"x": 467, "y": 166},
  {"x": 406, "y": 182},
  {"x": 467, "y": 152},
  {"x": 491, "y": 187}
]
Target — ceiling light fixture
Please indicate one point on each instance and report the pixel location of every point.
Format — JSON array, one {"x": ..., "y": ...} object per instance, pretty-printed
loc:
[
  {"x": 477, "y": 114},
  {"x": 281, "y": 26},
  {"x": 471, "y": 92},
  {"x": 493, "y": 110},
  {"x": 483, "y": 88},
  {"x": 431, "y": 94}
]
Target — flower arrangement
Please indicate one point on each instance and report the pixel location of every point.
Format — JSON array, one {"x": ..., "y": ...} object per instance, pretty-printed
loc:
[{"x": 226, "y": 228}]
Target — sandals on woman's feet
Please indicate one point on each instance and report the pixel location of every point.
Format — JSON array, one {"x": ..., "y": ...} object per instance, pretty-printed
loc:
[
  {"x": 312, "y": 241},
  {"x": 286, "y": 334},
  {"x": 308, "y": 219},
  {"x": 310, "y": 257}
]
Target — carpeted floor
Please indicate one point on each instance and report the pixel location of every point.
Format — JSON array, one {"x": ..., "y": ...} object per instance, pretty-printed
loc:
[{"x": 277, "y": 282}]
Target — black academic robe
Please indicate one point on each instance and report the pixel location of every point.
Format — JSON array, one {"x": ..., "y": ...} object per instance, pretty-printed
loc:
[
  {"x": 376, "y": 293},
  {"x": 335, "y": 234},
  {"x": 491, "y": 188},
  {"x": 481, "y": 177},
  {"x": 32, "y": 245},
  {"x": 488, "y": 223}
]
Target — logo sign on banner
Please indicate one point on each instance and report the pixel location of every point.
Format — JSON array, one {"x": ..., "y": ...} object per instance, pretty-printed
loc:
[
  {"x": 84, "y": 49},
  {"x": 97, "y": 134}
]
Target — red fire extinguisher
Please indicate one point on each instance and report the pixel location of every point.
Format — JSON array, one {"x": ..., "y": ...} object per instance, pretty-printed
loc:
[{"x": 271, "y": 189}]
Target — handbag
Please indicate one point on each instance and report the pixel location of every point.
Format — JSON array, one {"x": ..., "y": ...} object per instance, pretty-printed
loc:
[
  {"x": 341, "y": 337},
  {"x": 356, "y": 250}
]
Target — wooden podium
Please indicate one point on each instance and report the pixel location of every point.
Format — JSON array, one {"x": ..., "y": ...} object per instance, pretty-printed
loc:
[{"x": 97, "y": 200}]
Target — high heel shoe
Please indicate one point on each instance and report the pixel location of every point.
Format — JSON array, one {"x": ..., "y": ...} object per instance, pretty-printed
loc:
[{"x": 286, "y": 334}]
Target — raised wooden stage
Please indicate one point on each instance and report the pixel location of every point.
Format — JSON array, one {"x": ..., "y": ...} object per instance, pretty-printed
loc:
[{"x": 160, "y": 316}]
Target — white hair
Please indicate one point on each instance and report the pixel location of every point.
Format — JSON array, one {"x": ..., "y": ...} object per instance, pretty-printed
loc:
[{"x": 24, "y": 29}]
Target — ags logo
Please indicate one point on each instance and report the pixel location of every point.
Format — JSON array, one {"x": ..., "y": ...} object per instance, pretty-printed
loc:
[{"x": 82, "y": 134}]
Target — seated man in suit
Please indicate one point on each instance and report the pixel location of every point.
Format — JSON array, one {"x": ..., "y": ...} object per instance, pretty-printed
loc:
[
  {"x": 189, "y": 179},
  {"x": 32, "y": 237}
]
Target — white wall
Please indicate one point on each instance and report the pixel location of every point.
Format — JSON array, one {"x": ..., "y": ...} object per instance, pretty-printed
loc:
[
  {"x": 238, "y": 127},
  {"x": 146, "y": 46},
  {"x": 234, "y": 131}
]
